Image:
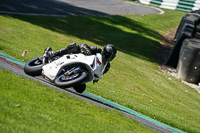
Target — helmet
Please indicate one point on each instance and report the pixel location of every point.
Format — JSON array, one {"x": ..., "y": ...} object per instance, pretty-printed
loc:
[{"x": 109, "y": 51}]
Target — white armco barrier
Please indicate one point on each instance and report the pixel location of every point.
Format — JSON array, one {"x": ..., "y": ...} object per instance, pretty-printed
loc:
[{"x": 181, "y": 5}]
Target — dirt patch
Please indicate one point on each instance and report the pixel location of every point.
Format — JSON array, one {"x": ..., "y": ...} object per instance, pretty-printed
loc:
[
  {"x": 162, "y": 54},
  {"x": 166, "y": 45}
]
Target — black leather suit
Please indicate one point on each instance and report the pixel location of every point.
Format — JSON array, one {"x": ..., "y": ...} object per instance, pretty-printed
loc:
[{"x": 74, "y": 48}]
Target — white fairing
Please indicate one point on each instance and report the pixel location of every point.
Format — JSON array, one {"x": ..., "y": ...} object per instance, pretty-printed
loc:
[{"x": 93, "y": 63}]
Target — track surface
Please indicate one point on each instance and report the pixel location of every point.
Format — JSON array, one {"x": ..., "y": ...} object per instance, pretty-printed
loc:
[
  {"x": 74, "y": 7},
  {"x": 16, "y": 66}
]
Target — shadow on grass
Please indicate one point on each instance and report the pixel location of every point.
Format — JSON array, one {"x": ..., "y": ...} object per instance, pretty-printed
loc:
[{"x": 127, "y": 35}]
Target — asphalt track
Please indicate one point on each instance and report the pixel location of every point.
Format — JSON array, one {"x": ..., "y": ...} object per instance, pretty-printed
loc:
[
  {"x": 16, "y": 66},
  {"x": 74, "y": 7}
]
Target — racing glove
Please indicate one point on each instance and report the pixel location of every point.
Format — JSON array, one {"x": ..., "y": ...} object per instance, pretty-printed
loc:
[{"x": 86, "y": 49}]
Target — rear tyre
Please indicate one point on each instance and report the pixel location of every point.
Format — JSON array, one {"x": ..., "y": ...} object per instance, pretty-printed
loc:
[
  {"x": 70, "y": 81},
  {"x": 34, "y": 67}
]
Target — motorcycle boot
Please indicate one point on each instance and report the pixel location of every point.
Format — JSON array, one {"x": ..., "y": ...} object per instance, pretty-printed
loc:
[{"x": 47, "y": 51}]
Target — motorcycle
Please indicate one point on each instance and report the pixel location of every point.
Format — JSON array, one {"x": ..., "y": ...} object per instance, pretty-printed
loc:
[{"x": 70, "y": 70}]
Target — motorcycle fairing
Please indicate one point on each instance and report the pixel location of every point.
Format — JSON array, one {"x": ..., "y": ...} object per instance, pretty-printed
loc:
[{"x": 89, "y": 63}]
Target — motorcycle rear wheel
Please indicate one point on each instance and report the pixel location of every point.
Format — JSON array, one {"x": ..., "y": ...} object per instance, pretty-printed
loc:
[{"x": 34, "y": 67}]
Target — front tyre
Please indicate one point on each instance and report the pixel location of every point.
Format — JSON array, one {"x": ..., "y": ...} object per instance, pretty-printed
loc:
[
  {"x": 65, "y": 81},
  {"x": 34, "y": 66}
]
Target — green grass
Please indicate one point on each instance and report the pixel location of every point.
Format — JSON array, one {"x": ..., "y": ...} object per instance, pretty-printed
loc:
[
  {"x": 28, "y": 106},
  {"x": 134, "y": 80}
]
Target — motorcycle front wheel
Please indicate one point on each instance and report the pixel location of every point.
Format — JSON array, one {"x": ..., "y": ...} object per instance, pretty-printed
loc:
[
  {"x": 72, "y": 80},
  {"x": 34, "y": 66}
]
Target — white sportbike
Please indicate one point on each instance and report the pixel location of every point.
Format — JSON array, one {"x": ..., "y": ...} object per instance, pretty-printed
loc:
[{"x": 70, "y": 70}]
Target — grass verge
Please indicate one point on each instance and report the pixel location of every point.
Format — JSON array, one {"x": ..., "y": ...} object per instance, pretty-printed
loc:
[
  {"x": 28, "y": 106},
  {"x": 134, "y": 80}
]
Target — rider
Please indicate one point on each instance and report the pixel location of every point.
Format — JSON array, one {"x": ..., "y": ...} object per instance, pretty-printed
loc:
[{"x": 108, "y": 53}]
